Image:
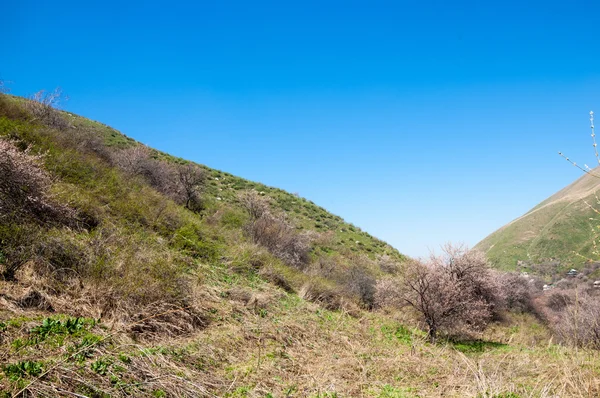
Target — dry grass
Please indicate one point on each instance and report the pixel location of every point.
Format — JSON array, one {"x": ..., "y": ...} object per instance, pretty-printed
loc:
[{"x": 263, "y": 341}]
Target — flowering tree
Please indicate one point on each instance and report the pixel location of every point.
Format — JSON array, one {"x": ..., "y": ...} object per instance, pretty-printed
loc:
[
  {"x": 452, "y": 292},
  {"x": 22, "y": 183}
]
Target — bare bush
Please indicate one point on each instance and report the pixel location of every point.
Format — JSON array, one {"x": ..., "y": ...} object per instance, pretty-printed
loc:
[
  {"x": 453, "y": 292},
  {"x": 360, "y": 282},
  {"x": 388, "y": 265},
  {"x": 86, "y": 140},
  {"x": 43, "y": 106},
  {"x": 24, "y": 186},
  {"x": 275, "y": 232},
  {"x": 22, "y": 181},
  {"x": 17, "y": 246},
  {"x": 62, "y": 255},
  {"x": 182, "y": 183},
  {"x": 579, "y": 321},
  {"x": 388, "y": 293},
  {"x": 324, "y": 266},
  {"x": 191, "y": 178},
  {"x": 557, "y": 300},
  {"x": 328, "y": 296},
  {"x": 279, "y": 236},
  {"x": 161, "y": 176},
  {"x": 24, "y": 202},
  {"x": 516, "y": 292},
  {"x": 255, "y": 204},
  {"x": 132, "y": 159},
  {"x": 137, "y": 160}
]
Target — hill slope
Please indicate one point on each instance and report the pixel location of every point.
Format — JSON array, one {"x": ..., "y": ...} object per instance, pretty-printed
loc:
[
  {"x": 127, "y": 272},
  {"x": 559, "y": 232}
]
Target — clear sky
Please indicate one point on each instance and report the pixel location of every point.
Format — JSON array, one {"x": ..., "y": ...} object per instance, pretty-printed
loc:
[{"x": 419, "y": 121}]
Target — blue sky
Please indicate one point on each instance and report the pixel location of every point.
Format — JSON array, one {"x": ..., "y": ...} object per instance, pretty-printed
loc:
[{"x": 419, "y": 121}]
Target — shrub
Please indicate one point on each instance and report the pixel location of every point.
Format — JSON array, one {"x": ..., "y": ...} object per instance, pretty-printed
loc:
[
  {"x": 330, "y": 297},
  {"x": 191, "y": 178},
  {"x": 255, "y": 204},
  {"x": 275, "y": 232},
  {"x": 24, "y": 201},
  {"x": 388, "y": 265},
  {"x": 182, "y": 183},
  {"x": 23, "y": 184},
  {"x": 361, "y": 283},
  {"x": 579, "y": 321},
  {"x": 11, "y": 109},
  {"x": 557, "y": 300},
  {"x": 516, "y": 292},
  {"x": 137, "y": 160},
  {"x": 278, "y": 278},
  {"x": 388, "y": 293},
  {"x": 139, "y": 278},
  {"x": 279, "y": 236},
  {"x": 17, "y": 244},
  {"x": 42, "y": 107},
  {"x": 62, "y": 254},
  {"x": 190, "y": 239},
  {"x": 233, "y": 219},
  {"x": 325, "y": 266},
  {"x": 84, "y": 139}
]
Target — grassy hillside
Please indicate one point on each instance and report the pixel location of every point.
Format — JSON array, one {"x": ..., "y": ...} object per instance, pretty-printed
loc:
[
  {"x": 559, "y": 232},
  {"x": 115, "y": 284}
]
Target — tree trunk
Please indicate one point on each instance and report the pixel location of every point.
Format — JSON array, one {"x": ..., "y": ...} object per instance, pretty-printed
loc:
[{"x": 432, "y": 334}]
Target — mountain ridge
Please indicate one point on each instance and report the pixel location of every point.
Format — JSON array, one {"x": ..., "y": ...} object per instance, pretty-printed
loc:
[{"x": 560, "y": 227}]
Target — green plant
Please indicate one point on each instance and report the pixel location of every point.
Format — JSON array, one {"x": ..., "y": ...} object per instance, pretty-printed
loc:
[
  {"x": 233, "y": 219},
  {"x": 399, "y": 333},
  {"x": 388, "y": 391},
  {"x": 191, "y": 240},
  {"x": 84, "y": 349},
  {"x": 101, "y": 366},
  {"x": 52, "y": 326},
  {"x": 126, "y": 359},
  {"x": 21, "y": 369}
]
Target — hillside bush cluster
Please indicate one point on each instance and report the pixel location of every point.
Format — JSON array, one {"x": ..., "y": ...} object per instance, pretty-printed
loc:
[
  {"x": 579, "y": 321},
  {"x": 573, "y": 313},
  {"x": 457, "y": 293},
  {"x": 275, "y": 232},
  {"x": 181, "y": 182}
]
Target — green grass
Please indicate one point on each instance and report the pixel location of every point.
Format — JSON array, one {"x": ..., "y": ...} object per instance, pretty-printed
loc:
[
  {"x": 561, "y": 231},
  {"x": 476, "y": 346}
]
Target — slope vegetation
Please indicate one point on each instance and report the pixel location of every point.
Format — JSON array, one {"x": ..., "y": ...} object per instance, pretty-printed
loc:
[
  {"x": 128, "y": 272},
  {"x": 560, "y": 232}
]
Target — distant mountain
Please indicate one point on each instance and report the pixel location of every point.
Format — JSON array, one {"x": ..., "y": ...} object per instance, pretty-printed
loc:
[{"x": 558, "y": 233}]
